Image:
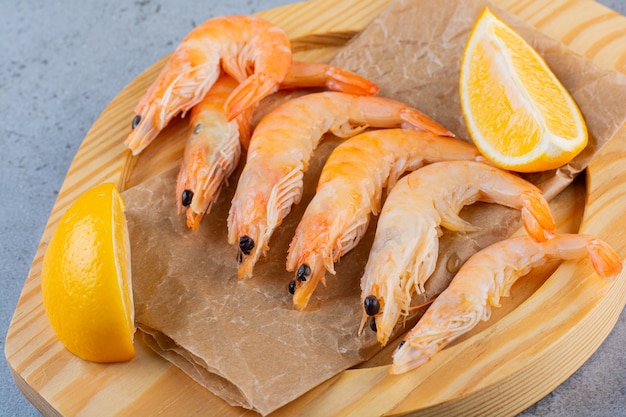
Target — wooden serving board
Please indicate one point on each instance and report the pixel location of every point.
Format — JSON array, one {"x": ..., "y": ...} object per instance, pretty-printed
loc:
[{"x": 542, "y": 335}]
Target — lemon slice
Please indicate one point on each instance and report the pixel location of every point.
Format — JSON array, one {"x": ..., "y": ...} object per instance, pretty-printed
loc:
[
  {"x": 517, "y": 112},
  {"x": 86, "y": 278}
]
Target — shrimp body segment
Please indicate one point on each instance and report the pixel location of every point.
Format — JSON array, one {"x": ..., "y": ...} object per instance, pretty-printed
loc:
[
  {"x": 483, "y": 279},
  {"x": 252, "y": 50},
  {"x": 280, "y": 149},
  {"x": 350, "y": 188},
  {"x": 214, "y": 143},
  {"x": 405, "y": 248}
]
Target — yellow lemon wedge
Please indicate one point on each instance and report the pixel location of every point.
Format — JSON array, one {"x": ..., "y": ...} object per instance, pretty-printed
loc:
[
  {"x": 86, "y": 278},
  {"x": 517, "y": 112}
]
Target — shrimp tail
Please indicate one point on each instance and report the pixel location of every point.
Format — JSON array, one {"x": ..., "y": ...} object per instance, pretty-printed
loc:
[
  {"x": 339, "y": 79},
  {"x": 419, "y": 120},
  {"x": 604, "y": 259},
  {"x": 334, "y": 78},
  {"x": 537, "y": 216},
  {"x": 249, "y": 93}
]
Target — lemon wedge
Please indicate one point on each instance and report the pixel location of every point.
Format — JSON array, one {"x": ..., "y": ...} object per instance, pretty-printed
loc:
[
  {"x": 517, "y": 112},
  {"x": 86, "y": 278}
]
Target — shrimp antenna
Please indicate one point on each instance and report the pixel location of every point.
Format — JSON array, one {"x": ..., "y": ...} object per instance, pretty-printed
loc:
[{"x": 424, "y": 304}]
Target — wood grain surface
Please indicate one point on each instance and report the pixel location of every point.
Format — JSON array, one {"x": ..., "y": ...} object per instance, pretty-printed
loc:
[{"x": 542, "y": 335}]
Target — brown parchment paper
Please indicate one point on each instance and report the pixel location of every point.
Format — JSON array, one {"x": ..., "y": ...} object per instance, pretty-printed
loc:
[{"x": 242, "y": 339}]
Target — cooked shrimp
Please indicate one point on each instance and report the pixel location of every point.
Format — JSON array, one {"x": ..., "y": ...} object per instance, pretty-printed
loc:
[
  {"x": 211, "y": 154},
  {"x": 279, "y": 153},
  {"x": 214, "y": 144},
  {"x": 483, "y": 279},
  {"x": 252, "y": 50},
  {"x": 349, "y": 189},
  {"x": 405, "y": 248}
]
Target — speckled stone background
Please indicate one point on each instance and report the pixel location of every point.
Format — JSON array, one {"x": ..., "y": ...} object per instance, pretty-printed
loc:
[{"x": 61, "y": 63}]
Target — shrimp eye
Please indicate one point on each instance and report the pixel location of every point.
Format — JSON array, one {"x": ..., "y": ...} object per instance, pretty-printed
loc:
[
  {"x": 292, "y": 286},
  {"x": 136, "y": 121},
  {"x": 371, "y": 304},
  {"x": 373, "y": 324},
  {"x": 187, "y": 197},
  {"x": 246, "y": 244},
  {"x": 303, "y": 272},
  {"x": 401, "y": 344}
]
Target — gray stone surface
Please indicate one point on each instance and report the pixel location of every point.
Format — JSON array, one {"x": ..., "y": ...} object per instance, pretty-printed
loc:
[{"x": 61, "y": 62}]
